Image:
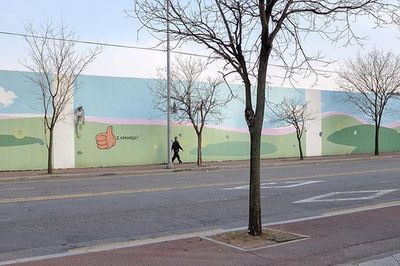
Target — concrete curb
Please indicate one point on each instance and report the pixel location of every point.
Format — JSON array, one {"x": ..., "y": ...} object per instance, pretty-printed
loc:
[{"x": 108, "y": 173}]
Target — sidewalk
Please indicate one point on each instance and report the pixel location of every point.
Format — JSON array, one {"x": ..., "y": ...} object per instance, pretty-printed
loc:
[
  {"x": 342, "y": 239},
  {"x": 161, "y": 168}
]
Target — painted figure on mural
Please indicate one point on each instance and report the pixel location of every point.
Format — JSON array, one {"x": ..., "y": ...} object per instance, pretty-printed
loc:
[
  {"x": 79, "y": 119},
  {"x": 176, "y": 147},
  {"x": 80, "y": 114}
]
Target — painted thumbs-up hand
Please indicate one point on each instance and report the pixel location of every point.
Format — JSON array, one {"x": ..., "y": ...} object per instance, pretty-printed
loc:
[{"x": 106, "y": 140}]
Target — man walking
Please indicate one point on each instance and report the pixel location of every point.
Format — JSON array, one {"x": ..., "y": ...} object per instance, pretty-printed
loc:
[{"x": 175, "y": 147}]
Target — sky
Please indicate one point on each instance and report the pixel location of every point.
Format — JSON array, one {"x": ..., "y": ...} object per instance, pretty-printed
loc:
[{"x": 105, "y": 21}]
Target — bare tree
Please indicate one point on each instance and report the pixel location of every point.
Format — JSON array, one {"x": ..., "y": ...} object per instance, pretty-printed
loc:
[
  {"x": 369, "y": 82},
  {"x": 195, "y": 102},
  {"x": 248, "y": 34},
  {"x": 292, "y": 112},
  {"x": 56, "y": 65}
]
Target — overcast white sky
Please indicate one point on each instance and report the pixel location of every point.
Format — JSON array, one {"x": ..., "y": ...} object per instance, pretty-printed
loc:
[{"x": 105, "y": 21}]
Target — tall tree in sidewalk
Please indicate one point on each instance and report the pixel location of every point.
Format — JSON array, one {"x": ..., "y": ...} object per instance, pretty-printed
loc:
[
  {"x": 248, "y": 34},
  {"x": 369, "y": 82},
  {"x": 197, "y": 100},
  {"x": 292, "y": 112},
  {"x": 56, "y": 64}
]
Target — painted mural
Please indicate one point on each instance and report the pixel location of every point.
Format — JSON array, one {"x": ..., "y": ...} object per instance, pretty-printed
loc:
[
  {"x": 22, "y": 139},
  {"x": 115, "y": 124},
  {"x": 348, "y": 132},
  {"x": 123, "y": 128}
]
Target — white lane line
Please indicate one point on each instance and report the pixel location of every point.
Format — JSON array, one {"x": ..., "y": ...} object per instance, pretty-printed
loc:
[
  {"x": 226, "y": 199},
  {"x": 370, "y": 194},
  {"x": 16, "y": 189},
  {"x": 287, "y": 184},
  {"x": 214, "y": 200},
  {"x": 112, "y": 193}
]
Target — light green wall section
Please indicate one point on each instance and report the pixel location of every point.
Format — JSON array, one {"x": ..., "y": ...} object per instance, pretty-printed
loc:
[
  {"x": 134, "y": 145},
  {"x": 331, "y": 125},
  {"x": 287, "y": 146},
  {"x": 146, "y": 144},
  {"x": 22, "y": 144}
]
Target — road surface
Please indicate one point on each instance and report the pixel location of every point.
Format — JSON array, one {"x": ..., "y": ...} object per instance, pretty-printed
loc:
[{"x": 42, "y": 217}]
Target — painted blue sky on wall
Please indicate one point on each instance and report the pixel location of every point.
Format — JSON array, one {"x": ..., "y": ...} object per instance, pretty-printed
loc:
[
  {"x": 18, "y": 94},
  {"x": 332, "y": 101},
  {"x": 131, "y": 98}
]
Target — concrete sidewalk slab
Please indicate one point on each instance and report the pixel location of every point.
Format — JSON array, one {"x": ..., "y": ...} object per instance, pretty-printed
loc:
[{"x": 340, "y": 239}]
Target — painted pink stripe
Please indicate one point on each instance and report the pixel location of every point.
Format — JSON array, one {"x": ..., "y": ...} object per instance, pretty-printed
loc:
[
  {"x": 278, "y": 131},
  {"x": 265, "y": 131},
  {"x": 119, "y": 121},
  {"x": 328, "y": 114},
  {"x": 16, "y": 116},
  {"x": 394, "y": 124},
  {"x": 8, "y": 117},
  {"x": 234, "y": 129},
  {"x": 122, "y": 121}
]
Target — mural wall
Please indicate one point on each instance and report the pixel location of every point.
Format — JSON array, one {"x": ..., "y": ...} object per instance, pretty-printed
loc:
[
  {"x": 22, "y": 141},
  {"x": 346, "y": 131},
  {"x": 121, "y": 127}
]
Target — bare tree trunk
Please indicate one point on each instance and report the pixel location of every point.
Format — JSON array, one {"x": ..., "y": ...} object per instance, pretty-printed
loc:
[
  {"x": 377, "y": 139},
  {"x": 50, "y": 153},
  {"x": 199, "y": 157},
  {"x": 255, "y": 127},
  {"x": 255, "y": 226},
  {"x": 300, "y": 148}
]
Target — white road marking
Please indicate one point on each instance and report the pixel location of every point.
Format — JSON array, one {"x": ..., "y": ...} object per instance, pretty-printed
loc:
[
  {"x": 371, "y": 194},
  {"x": 287, "y": 184},
  {"x": 213, "y": 200},
  {"x": 17, "y": 189},
  {"x": 111, "y": 193},
  {"x": 294, "y": 184},
  {"x": 226, "y": 199}
]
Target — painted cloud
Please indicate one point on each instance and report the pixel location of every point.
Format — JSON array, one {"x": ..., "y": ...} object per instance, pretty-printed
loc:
[{"x": 6, "y": 97}]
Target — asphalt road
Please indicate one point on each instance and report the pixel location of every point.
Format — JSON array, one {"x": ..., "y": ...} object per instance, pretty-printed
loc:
[{"x": 50, "y": 216}]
